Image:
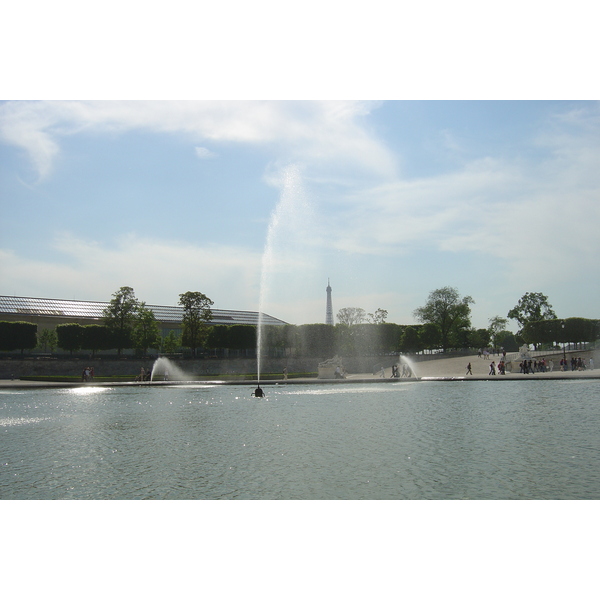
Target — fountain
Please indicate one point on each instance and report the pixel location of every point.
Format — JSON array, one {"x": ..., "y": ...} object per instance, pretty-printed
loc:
[
  {"x": 287, "y": 221},
  {"x": 406, "y": 364},
  {"x": 164, "y": 369}
]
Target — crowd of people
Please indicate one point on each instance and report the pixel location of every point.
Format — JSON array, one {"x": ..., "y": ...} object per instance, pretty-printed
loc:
[
  {"x": 537, "y": 365},
  {"x": 577, "y": 364},
  {"x": 401, "y": 370}
]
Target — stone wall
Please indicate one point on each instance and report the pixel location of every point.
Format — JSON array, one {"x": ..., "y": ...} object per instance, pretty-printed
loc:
[{"x": 32, "y": 366}]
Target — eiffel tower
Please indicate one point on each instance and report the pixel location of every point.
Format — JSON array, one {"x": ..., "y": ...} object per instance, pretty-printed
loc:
[{"x": 329, "y": 311}]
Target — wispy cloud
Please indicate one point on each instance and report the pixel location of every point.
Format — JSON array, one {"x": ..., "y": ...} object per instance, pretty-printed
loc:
[
  {"x": 314, "y": 132},
  {"x": 204, "y": 153},
  {"x": 158, "y": 270},
  {"x": 537, "y": 216}
]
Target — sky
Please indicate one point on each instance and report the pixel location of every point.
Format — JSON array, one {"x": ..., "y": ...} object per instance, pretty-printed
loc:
[
  {"x": 261, "y": 203},
  {"x": 226, "y": 155}
]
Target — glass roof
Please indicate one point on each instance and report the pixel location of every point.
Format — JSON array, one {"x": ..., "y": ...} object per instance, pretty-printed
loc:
[{"x": 93, "y": 310}]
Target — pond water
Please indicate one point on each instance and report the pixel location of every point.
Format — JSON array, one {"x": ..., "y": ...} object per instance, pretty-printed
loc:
[{"x": 405, "y": 440}]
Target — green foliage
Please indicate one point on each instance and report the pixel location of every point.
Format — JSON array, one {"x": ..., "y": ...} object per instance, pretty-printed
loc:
[
  {"x": 410, "y": 340},
  {"x": 379, "y": 317},
  {"x": 479, "y": 338},
  {"x": 497, "y": 324},
  {"x": 449, "y": 312},
  {"x": 507, "y": 340},
  {"x": 242, "y": 337},
  {"x": 171, "y": 343},
  {"x": 389, "y": 337},
  {"x": 533, "y": 306},
  {"x": 572, "y": 330},
  {"x": 70, "y": 336},
  {"x": 120, "y": 316},
  {"x": 218, "y": 337},
  {"x": 18, "y": 335},
  {"x": 316, "y": 339},
  {"x": 430, "y": 336},
  {"x": 290, "y": 336},
  {"x": 196, "y": 315},
  {"x": 48, "y": 339},
  {"x": 578, "y": 330},
  {"x": 97, "y": 337},
  {"x": 145, "y": 333}
]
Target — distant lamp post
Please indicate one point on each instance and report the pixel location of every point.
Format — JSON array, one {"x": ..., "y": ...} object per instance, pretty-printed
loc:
[{"x": 563, "y": 341}]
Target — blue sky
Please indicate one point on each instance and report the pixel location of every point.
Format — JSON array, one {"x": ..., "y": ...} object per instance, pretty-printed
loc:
[{"x": 389, "y": 200}]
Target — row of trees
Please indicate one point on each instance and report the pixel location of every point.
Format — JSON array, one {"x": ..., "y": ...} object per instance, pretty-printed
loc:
[
  {"x": 132, "y": 325},
  {"x": 128, "y": 323},
  {"x": 561, "y": 331},
  {"x": 447, "y": 316},
  {"x": 318, "y": 339},
  {"x": 444, "y": 323}
]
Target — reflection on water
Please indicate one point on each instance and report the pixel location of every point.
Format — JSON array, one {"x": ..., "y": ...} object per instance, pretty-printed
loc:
[{"x": 406, "y": 440}]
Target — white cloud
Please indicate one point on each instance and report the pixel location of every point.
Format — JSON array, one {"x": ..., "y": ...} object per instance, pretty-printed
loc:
[
  {"x": 315, "y": 132},
  {"x": 204, "y": 153},
  {"x": 536, "y": 216},
  {"x": 158, "y": 270}
]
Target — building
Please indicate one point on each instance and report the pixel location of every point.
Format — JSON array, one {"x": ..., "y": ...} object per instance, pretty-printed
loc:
[{"x": 47, "y": 313}]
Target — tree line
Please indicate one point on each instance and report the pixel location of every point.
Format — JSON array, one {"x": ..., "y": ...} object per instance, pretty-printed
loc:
[
  {"x": 127, "y": 323},
  {"x": 444, "y": 323}
]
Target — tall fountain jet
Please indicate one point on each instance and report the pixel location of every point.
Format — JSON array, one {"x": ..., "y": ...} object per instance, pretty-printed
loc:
[{"x": 329, "y": 311}]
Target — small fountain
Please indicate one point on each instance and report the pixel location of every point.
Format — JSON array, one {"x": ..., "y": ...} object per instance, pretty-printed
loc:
[
  {"x": 166, "y": 370},
  {"x": 407, "y": 366}
]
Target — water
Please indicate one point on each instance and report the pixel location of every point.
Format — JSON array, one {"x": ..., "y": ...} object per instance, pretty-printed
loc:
[
  {"x": 287, "y": 251},
  {"x": 404, "y": 440},
  {"x": 164, "y": 369},
  {"x": 409, "y": 364}
]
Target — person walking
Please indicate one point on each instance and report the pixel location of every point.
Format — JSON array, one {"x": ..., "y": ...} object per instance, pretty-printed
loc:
[
  {"x": 492, "y": 369},
  {"x": 469, "y": 372}
]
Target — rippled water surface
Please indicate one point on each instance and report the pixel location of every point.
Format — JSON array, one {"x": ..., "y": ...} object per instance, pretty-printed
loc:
[{"x": 405, "y": 440}]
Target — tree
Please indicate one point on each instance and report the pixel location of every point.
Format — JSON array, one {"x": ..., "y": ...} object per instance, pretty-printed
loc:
[
  {"x": 48, "y": 339},
  {"x": 351, "y": 316},
  {"x": 145, "y": 333},
  {"x": 70, "y": 336},
  {"x": 533, "y": 306},
  {"x": 242, "y": 337},
  {"x": 196, "y": 315},
  {"x": 120, "y": 316},
  {"x": 497, "y": 324},
  {"x": 218, "y": 337},
  {"x": 389, "y": 337},
  {"x": 97, "y": 337},
  {"x": 448, "y": 311},
  {"x": 479, "y": 338},
  {"x": 430, "y": 336},
  {"x": 171, "y": 342},
  {"x": 317, "y": 339},
  {"x": 507, "y": 340},
  {"x": 18, "y": 335},
  {"x": 410, "y": 341},
  {"x": 378, "y": 317}
]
